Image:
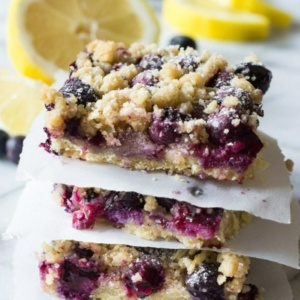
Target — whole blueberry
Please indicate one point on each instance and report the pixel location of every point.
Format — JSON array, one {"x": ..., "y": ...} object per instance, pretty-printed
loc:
[
  {"x": 124, "y": 201},
  {"x": 183, "y": 41},
  {"x": 258, "y": 75},
  {"x": 203, "y": 283},
  {"x": 189, "y": 63},
  {"x": 245, "y": 101},
  {"x": 78, "y": 278},
  {"x": 14, "y": 147},
  {"x": 144, "y": 276},
  {"x": 3, "y": 138},
  {"x": 83, "y": 92}
]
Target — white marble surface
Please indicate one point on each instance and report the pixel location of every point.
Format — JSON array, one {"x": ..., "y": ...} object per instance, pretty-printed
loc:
[{"x": 281, "y": 53}]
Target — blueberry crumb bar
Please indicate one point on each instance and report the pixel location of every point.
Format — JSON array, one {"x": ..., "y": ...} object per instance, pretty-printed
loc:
[
  {"x": 150, "y": 108},
  {"x": 150, "y": 217},
  {"x": 80, "y": 271}
]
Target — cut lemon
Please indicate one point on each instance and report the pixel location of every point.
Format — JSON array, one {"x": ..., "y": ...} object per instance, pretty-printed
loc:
[
  {"x": 46, "y": 35},
  {"x": 277, "y": 17},
  {"x": 206, "y": 19},
  {"x": 19, "y": 102}
]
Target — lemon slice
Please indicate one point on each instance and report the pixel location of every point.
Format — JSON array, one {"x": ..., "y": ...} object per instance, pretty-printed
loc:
[
  {"x": 19, "y": 102},
  {"x": 277, "y": 17},
  {"x": 46, "y": 35},
  {"x": 206, "y": 19}
]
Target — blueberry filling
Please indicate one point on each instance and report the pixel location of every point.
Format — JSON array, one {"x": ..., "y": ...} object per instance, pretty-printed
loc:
[
  {"x": 47, "y": 144},
  {"x": 195, "y": 221},
  {"x": 72, "y": 126},
  {"x": 83, "y": 92},
  {"x": 166, "y": 203},
  {"x": 85, "y": 217},
  {"x": 144, "y": 277},
  {"x": 233, "y": 146},
  {"x": 203, "y": 285},
  {"x": 82, "y": 252},
  {"x": 164, "y": 129},
  {"x": 121, "y": 208},
  {"x": 258, "y": 75}
]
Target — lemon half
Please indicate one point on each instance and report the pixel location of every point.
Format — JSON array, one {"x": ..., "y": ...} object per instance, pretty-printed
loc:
[
  {"x": 19, "y": 102},
  {"x": 46, "y": 35}
]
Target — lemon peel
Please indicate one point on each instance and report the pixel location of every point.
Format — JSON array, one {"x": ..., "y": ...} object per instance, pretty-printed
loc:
[
  {"x": 276, "y": 16},
  {"x": 206, "y": 19}
]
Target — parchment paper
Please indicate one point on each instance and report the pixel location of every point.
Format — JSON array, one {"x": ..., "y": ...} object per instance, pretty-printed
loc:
[
  {"x": 267, "y": 196},
  {"x": 39, "y": 215}
]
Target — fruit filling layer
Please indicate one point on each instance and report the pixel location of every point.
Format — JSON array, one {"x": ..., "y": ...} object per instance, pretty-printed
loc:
[
  {"x": 80, "y": 271},
  {"x": 145, "y": 107},
  {"x": 150, "y": 217}
]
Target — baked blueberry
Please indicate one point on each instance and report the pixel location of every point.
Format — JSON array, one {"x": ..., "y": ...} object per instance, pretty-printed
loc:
[
  {"x": 83, "y": 92},
  {"x": 146, "y": 78},
  {"x": 144, "y": 277},
  {"x": 221, "y": 79},
  {"x": 244, "y": 99},
  {"x": 189, "y": 63},
  {"x": 203, "y": 283},
  {"x": 183, "y": 41},
  {"x": 151, "y": 62},
  {"x": 258, "y": 75},
  {"x": 78, "y": 278}
]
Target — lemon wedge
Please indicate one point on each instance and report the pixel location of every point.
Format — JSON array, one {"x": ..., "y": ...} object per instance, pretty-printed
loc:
[
  {"x": 206, "y": 19},
  {"x": 277, "y": 17},
  {"x": 46, "y": 35},
  {"x": 19, "y": 102}
]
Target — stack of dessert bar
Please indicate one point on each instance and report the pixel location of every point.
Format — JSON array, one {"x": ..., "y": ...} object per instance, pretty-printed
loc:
[{"x": 153, "y": 109}]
